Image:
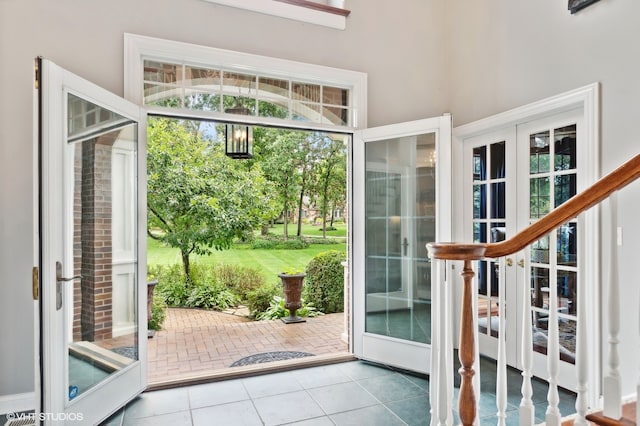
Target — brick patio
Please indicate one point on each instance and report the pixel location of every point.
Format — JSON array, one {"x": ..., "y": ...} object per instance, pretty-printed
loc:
[{"x": 196, "y": 342}]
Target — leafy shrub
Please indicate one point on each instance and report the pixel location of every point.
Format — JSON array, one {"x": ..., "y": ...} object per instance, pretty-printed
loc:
[
  {"x": 271, "y": 242},
  {"x": 326, "y": 241},
  {"x": 259, "y": 300},
  {"x": 158, "y": 313},
  {"x": 324, "y": 285},
  {"x": 241, "y": 280},
  {"x": 171, "y": 284},
  {"x": 209, "y": 295},
  {"x": 277, "y": 310},
  {"x": 210, "y": 287}
]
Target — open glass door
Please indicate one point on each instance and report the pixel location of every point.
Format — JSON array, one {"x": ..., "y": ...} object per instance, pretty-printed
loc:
[
  {"x": 92, "y": 249},
  {"x": 397, "y": 211}
]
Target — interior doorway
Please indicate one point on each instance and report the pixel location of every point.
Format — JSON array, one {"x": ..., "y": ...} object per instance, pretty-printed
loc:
[{"x": 298, "y": 179}]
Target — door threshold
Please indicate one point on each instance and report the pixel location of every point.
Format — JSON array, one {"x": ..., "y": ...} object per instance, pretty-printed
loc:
[{"x": 252, "y": 370}]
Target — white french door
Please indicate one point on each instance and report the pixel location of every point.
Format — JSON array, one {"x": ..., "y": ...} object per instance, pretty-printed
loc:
[
  {"x": 513, "y": 177},
  {"x": 92, "y": 249},
  {"x": 398, "y": 209},
  {"x": 490, "y": 216}
]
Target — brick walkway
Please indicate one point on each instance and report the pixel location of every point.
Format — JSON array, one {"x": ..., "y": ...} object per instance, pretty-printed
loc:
[{"x": 195, "y": 341}]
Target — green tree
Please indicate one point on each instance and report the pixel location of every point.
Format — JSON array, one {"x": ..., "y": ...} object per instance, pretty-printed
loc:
[
  {"x": 330, "y": 184},
  {"x": 198, "y": 199},
  {"x": 284, "y": 152}
]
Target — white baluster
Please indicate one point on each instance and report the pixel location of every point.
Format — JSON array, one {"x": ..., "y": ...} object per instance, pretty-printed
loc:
[
  {"x": 435, "y": 347},
  {"x": 476, "y": 338},
  {"x": 553, "y": 416},
  {"x": 501, "y": 376},
  {"x": 611, "y": 383},
  {"x": 527, "y": 409},
  {"x": 448, "y": 273},
  {"x": 444, "y": 403},
  {"x": 582, "y": 356}
]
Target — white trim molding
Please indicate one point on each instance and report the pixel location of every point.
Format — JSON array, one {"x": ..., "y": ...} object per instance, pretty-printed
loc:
[
  {"x": 289, "y": 11},
  {"x": 137, "y": 48},
  {"x": 17, "y": 403}
]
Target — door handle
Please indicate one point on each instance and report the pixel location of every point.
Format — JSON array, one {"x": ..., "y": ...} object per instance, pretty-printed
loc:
[
  {"x": 59, "y": 280},
  {"x": 521, "y": 263},
  {"x": 405, "y": 244},
  {"x": 509, "y": 261}
]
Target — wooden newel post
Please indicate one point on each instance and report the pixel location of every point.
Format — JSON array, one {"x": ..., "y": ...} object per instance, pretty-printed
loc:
[{"x": 467, "y": 351}]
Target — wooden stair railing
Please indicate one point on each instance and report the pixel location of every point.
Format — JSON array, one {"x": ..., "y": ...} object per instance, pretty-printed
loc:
[{"x": 468, "y": 252}]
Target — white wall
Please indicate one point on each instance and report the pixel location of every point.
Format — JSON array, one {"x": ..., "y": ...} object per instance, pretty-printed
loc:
[
  {"x": 507, "y": 53},
  {"x": 400, "y": 47},
  {"x": 422, "y": 57}
]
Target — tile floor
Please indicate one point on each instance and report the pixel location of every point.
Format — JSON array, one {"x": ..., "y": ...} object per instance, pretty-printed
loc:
[{"x": 350, "y": 393}]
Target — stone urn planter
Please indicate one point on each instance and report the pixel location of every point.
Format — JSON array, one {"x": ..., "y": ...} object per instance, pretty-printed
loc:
[{"x": 292, "y": 289}]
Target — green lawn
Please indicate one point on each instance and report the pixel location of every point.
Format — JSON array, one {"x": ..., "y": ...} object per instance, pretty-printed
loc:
[
  {"x": 270, "y": 262},
  {"x": 311, "y": 230}
]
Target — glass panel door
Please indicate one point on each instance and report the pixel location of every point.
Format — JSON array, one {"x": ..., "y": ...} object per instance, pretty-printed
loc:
[
  {"x": 93, "y": 292},
  {"x": 489, "y": 217},
  {"x": 398, "y": 208},
  {"x": 552, "y": 178},
  {"x": 398, "y": 227}
]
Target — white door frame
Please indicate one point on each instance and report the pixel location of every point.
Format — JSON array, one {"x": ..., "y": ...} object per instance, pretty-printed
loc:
[
  {"x": 52, "y": 350},
  {"x": 588, "y": 99},
  {"x": 409, "y": 355}
]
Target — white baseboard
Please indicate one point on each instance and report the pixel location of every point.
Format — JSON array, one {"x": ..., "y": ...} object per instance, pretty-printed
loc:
[{"x": 17, "y": 402}]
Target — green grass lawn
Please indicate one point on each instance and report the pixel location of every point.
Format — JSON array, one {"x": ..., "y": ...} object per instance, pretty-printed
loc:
[
  {"x": 311, "y": 231},
  {"x": 270, "y": 262}
]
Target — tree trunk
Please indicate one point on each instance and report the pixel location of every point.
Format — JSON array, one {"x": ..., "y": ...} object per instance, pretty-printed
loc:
[
  {"x": 300, "y": 210},
  {"x": 285, "y": 223},
  {"x": 186, "y": 265},
  {"x": 333, "y": 208},
  {"x": 265, "y": 229}
]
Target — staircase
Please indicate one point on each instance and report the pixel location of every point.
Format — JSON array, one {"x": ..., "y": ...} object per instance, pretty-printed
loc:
[
  {"x": 441, "y": 393},
  {"x": 628, "y": 418}
]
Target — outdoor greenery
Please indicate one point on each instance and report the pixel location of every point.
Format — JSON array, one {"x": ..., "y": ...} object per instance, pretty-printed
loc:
[
  {"x": 324, "y": 286},
  {"x": 219, "y": 228},
  {"x": 199, "y": 199},
  {"x": 158, "y": 313},
  {"x": 270, "y": 242},
  {"x": 277, "y": 310},
  {"x": 269, "y": 262}
]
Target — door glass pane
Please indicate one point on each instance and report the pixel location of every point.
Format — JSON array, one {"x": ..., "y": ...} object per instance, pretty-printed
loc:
[
  {"x": 567, "y": 244},
  {"x": 555, "y": 255},
  {"x": 400, "y": 188},
  {"x": 479, "y": 163},
  {"x": 565, "y": 148},
  {"x": 498, "y": 200},
  {"x": 102, "y": 325},
  {"x": 489, "y": 198},
  {"x": 498, "y": 160},
  {"x": 539, "y": 152},
  {"x": 565, "y": 188},
  {"x": 539, "y": 198}
]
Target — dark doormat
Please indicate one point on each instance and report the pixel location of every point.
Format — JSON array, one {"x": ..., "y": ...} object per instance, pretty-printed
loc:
[{"x": 269, "y": 357}]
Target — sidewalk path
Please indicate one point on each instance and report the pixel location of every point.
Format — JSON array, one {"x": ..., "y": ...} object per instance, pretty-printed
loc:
[{"x": 195, "y": 341}]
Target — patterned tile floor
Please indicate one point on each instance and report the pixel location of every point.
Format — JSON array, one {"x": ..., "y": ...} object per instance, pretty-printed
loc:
[{"x": 350, "y": 393}]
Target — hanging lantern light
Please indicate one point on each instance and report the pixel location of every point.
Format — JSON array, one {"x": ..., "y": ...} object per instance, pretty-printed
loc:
[{"x": 238, "y": 137}]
